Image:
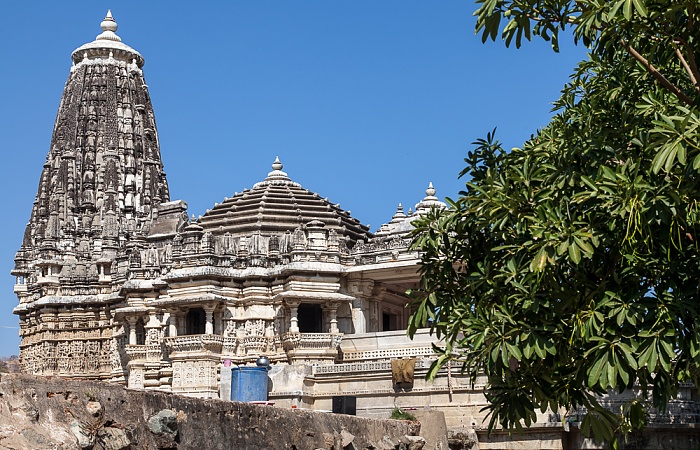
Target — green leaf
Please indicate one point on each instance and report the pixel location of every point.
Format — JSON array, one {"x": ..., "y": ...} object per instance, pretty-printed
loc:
[{"x": 574, "y": 253}]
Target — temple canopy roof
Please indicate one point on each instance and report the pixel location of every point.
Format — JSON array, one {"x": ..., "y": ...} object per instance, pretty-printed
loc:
[
  {"x": 107, "y": 44},
  {"x": 277, "y": 205}
]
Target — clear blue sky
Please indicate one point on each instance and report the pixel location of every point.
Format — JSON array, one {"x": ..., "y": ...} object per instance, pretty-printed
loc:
[{"x": 365, "y": 102}]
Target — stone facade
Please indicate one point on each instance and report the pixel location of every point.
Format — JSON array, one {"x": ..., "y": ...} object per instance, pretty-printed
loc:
[{"x": 116, "y": 283}]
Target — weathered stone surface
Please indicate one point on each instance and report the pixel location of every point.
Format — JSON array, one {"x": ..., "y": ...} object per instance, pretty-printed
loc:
[
  {"x": 93, "y": 408},
  {"x": 61, "y": 402},
  {"x": 411, "y": 443},
  {"x": 85, "y": 439},
  {"x": 164, "y": 423},
  {"x": 111, "y": 438},
  {"x": 433, "y": 429}
]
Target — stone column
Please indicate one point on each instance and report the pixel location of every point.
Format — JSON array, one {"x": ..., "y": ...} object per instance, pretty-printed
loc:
[
  {"x": 209, "y": 325},
  {"x": 293, "y": 317},
  {"x": 132, "y": 329},
  {"x": 362, "y": 291},
  {"x": 332, "y": 309},
  {"x": 181, "y": 321},
  {"x": 172, "y": 324}
]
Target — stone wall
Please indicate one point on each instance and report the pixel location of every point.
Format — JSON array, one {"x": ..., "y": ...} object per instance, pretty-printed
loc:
[{"x": 37, "y": 412}]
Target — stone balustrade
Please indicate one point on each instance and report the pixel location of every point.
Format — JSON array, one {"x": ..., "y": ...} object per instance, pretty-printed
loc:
[
  {"x": 311, "y": 341},
  {"x": 136, "y": 353},
  {"x": 208, "y": 343},
  {"x": 311, "y": 347}
]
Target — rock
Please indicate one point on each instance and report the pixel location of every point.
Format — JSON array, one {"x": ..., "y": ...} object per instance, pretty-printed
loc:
[
  {"x": 85, "y": 439},
  {"x": 384, "y": 444},
  {"x": 94, "y": 408},
  {"x": 113, "y": 439},
  {"x": 346, "y": 438},
  {"x": 164, "y": 423},
  {"x": 411, "y": 442}
]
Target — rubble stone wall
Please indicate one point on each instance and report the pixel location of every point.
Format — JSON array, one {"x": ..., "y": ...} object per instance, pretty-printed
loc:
[{"x": 37, "y": 412}]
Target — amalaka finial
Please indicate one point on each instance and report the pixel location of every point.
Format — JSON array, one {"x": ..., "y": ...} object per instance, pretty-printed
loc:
[
  {"x": 109, "y": 24},
  {"x": 430, "y": 192},
  {"x": 277, "y": 165}
]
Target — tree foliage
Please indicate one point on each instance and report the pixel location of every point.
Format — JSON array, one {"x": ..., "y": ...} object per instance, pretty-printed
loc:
[{"x": 570, "y": 267}]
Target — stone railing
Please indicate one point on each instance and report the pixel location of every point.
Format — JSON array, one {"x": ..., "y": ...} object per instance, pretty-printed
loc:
[
  {"x": 253, "y": 345},
  {"x": 311, "y": 341},
  {"x": 136, "y": 353},
  {"x": 677, "y": 412},
  {"x": 208, "y": 343}
]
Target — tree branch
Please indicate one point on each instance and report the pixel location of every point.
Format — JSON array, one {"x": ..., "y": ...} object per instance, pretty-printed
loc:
[
  {"x": 687, "y": 67},
  {"x": 658, "y": 75},
  {"x": 693, "y": 66}
]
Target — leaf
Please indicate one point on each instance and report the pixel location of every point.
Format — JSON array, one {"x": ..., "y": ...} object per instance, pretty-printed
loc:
[
  {"x": 574, "y": 253},
  {"x": 641, "y": 7}
]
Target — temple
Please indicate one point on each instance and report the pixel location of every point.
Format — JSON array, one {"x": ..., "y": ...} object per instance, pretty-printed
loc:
[{"x": 115, "y": 282}]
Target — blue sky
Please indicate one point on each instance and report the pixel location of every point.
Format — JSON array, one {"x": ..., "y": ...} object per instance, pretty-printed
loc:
[{"x": 365, "y": 102}]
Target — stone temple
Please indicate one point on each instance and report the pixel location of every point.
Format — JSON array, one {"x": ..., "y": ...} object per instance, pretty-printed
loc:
[{"x": 116, "y": 283}]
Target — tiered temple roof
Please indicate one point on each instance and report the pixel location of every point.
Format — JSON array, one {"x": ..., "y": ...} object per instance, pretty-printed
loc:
[{"x": 277, "y": 205}]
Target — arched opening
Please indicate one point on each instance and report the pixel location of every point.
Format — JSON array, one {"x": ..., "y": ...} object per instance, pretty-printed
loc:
[
  {"x": 310, "y": 318},
  {"x": 196, "y": 319}
]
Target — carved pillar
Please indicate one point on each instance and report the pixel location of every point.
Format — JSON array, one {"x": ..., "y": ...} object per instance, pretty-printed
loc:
[
  {"x": 181, "y": 323},
  {"x": 293, "y": 316},
  {"x": 153, "y": 339},
  {"x": 361, "y": 315},
  {"x": 172, "y": 324},
  {"x": 132, "y": 329},
  {"x": 209, "y": 324},
  {"x": 332, "y": 309}
]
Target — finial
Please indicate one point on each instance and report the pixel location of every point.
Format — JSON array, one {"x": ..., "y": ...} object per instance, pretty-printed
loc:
[
  {"x": 109, "y": 24},
  {"x": 277, "y": 165},
  {"x": 430, "y": 192},
  {"x": 399, "y": 215}
]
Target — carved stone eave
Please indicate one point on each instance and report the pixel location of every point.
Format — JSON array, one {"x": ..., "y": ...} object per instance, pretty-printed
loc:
[
  {"x": 313, "y": 296},
  {"x": 389, "y": 265},
  {"x": 121, "y": 313},
  {"x": 179, "y": 301},
  {"x": 211, "y": 272},
  {"x": 58, "y": 300}
]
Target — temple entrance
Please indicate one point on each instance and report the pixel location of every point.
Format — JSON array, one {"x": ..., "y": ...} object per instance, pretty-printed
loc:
[
  {"x": 390, "y": 322},
  {"x": 196, "y": 319},
  {"x": 310, "y": 318}
]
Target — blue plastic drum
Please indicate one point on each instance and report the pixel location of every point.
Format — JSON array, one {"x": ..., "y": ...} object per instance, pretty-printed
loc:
[{"x": 249, "y": 384}]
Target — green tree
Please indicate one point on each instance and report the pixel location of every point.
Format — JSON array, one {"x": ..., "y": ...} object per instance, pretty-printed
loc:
[{"x": 570, "y": 267}]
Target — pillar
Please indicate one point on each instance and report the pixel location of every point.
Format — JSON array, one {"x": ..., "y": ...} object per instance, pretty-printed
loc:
[
  {"x": 209, "y": 324},
  {"x": 132, "y": 329},
  {"x": 332, "y": 309},
  {"x": 293, "y": 317}
]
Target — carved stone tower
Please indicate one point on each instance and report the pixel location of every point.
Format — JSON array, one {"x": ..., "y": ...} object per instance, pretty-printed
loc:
[{"x": 99, "y": 190}]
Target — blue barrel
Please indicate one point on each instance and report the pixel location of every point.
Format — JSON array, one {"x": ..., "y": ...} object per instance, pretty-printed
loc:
[{"x": 249, "y": 384}]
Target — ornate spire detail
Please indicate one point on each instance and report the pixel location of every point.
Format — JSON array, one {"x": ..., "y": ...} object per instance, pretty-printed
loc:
[
  {"x": 107, "y": 45},
  {"x": 430, "y": 192},
  {"x": 109, "y": 26},
  {"x": 276, "y": 177},
  {"x": 399, "y": 216},
  {"x": 103, "y": 175},
  {"x": 429, "y": 201}
]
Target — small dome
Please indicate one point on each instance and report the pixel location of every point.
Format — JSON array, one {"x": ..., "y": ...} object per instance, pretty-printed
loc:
[{"x": 277, "y": 205}]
